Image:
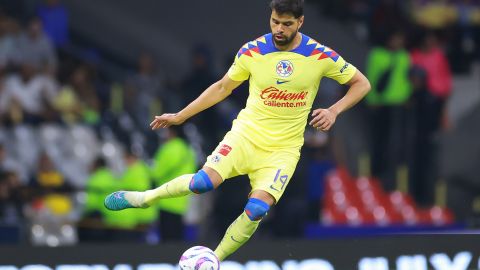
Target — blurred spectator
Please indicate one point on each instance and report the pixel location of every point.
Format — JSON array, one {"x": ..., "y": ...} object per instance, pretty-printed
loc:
[
  {"x": 52, "y": 206},
  {"x": 27, "y": 97},
  {"x": 433, "y": 14},
  {"x": 386, "y": 15},
  {"x": 387, "y": 69},
  {"x": 175, "y": 157},
  {"x": 125, "y": 225},
  {"x": 430, "y": 57},
  {"x": 460, "y": 20},
  {"x": 77, "y": 101},
  {"x": 8, "y": 42},
  {"x": 48, "y": 179},
  {"x": 54, "y": 16},
  {"x": 137, "y": 177},
  {"x": 464, "y": 36},
  {"x": 37, "y": 49},
  {"x": 432, "y": 81},
  {"x": 11, "y": 199},
  {"x": 144, "y": 94},
  {"x": 100, "y": 183},
  {"x": 421, "y": 161},
  {"x": 3, "y": 112},
  {"x": 7, "y": 164},
  {"x": 320, "y": 164},
  {"x": 200, "y": 77}
]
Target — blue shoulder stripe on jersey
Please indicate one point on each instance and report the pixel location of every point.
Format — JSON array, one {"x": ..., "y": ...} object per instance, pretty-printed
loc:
[
  {"x": 250, "y": 45},
  {"x": 303, "y": 48},
  {"x": 269, "y": 47}
]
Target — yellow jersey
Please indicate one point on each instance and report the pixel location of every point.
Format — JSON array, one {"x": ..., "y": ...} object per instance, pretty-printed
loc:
[{"x": 283, "y": 86}]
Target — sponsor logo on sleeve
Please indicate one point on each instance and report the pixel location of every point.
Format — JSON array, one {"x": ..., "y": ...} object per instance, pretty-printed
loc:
[
  {"x": 224, "y": 150},
  {"x": 344, "y": 67}
]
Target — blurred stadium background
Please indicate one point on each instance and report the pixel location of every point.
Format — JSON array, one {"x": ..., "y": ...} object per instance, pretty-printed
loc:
[{"x": 81, "y": 80}]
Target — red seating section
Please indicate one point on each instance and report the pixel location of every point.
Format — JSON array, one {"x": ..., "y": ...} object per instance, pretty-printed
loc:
[{"x": 363, "y": 201}]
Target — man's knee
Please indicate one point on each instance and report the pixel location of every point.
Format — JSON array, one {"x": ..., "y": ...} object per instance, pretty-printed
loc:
[
  {"x": 256, "y": 209},
  {"x": 200, "y": 183}
]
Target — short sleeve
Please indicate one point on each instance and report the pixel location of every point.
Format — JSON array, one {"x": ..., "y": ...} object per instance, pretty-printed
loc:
[
  {"x": 340, "y": 70},
  {"x": 239, "y": 71}
]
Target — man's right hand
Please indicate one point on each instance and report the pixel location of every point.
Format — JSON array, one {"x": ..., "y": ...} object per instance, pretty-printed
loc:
[{"x": 165, "y": 120}]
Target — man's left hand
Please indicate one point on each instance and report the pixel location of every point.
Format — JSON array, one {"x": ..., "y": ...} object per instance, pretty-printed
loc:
[{"x": 323, "y": 119}]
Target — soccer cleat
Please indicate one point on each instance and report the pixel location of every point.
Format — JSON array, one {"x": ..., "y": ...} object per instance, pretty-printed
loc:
[{"x": 117, "y": 201}]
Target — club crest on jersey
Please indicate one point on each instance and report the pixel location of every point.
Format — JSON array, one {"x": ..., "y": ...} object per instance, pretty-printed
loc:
[{"x": 284, "y": 68}]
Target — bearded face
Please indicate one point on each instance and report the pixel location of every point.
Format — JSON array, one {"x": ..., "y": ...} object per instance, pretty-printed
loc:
[
  {"x": 281, "y": 39},
  {"x": 284, "y": 28}
]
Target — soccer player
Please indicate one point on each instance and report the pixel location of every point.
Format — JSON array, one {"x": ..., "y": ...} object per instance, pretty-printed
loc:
[{"x": 284, "y": 69}]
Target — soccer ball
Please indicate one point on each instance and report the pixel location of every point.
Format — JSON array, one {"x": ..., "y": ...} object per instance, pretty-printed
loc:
[{"x": 199, "y": 258}]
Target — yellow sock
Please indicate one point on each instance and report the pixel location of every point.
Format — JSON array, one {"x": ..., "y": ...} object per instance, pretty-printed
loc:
[
  {"x": 175, "y": 188},
  {"x": 236, "y": 235}
]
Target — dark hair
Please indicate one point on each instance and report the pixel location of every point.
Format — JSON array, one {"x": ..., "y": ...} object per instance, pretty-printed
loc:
[{"x": 294, "y": 7}]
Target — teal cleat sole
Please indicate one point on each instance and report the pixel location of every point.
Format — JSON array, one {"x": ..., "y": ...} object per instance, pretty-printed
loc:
[{"x": 116, "y": 201}]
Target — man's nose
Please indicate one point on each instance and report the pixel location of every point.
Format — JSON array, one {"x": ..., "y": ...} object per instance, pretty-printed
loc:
[{"x": 279, "y": 29}]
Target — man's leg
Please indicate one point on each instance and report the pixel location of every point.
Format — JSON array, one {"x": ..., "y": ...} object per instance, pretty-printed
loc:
[
  {"x": 203, "y": 181},
  {"x": 246, "y": 224}
]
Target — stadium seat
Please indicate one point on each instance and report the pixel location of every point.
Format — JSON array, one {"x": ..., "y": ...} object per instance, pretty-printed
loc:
[
  {"x": 331, "y": 217},
  {"x": 353, "y": 216},
  {"x": 441, "y": 216},
  {"x": 343, "y": 173},
  {"x": 400, "y": 199},
  {"x": 364, "y": 202},
  {"x": 411, "y": 216}
]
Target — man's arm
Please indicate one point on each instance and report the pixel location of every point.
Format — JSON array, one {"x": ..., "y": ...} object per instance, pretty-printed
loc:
[
  {"x": 323, "y": 119},
  {"x": 211, "y": 96}
]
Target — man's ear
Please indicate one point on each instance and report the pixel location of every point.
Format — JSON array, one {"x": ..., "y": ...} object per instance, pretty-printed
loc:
[{"x": 300, "y": 21}]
